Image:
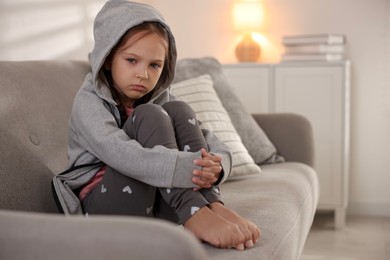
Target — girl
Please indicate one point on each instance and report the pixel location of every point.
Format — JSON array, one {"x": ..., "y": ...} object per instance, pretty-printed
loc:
[{"x": 156, "y": 161}]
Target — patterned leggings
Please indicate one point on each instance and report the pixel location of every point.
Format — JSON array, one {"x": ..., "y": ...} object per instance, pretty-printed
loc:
[{"x": 174, "y": 126}]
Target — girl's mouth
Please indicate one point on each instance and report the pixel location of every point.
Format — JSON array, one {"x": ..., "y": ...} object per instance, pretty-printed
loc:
[{"x": 139, "y": 88}]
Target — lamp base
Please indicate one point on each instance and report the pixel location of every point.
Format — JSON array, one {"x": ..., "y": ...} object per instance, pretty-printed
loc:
[{"x": 248, "y": 50}]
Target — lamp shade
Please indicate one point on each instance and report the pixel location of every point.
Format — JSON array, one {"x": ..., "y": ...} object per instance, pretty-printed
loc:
[{"x": 248, "y": 15}]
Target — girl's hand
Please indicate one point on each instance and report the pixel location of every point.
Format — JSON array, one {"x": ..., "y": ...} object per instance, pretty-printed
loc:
[{"x": 210, "y": 172}]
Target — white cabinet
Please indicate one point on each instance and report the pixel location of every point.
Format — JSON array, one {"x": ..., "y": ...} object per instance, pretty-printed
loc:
[
  {"x": 251, "y": 84},
  {"x": 320, "y": 92}
]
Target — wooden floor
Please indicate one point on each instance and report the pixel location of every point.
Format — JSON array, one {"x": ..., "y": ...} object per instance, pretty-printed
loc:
[{"x": 362, "y": 238}]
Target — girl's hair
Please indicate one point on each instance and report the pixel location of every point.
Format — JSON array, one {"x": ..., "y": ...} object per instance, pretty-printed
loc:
[{"x": 138, "y": 32}]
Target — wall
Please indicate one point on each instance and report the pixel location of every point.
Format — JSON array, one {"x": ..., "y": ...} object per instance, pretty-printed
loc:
[
  {"x": 46, "y": 29},
  {"x": 203, "y": 27}
]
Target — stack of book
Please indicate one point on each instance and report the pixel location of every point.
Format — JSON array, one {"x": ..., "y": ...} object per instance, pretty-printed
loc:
[{"x": 315, "y": 47}]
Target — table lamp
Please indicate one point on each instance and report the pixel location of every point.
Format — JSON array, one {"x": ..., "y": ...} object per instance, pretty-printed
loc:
[{"x": 248, "y": 18}]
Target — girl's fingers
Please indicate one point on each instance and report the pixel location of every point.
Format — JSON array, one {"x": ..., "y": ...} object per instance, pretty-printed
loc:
[
  {"x": 210, "y": 170},
  {"x": 204, "y": 152},
  {"x": 210, "y": 156},
  {"x": 206, "y": 162},
  {"x": 207, "y": 177},
  {"x": 200, "y": 183}
]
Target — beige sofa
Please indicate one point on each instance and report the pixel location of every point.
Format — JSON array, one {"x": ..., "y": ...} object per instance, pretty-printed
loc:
[{"x": 35, "y": 103}]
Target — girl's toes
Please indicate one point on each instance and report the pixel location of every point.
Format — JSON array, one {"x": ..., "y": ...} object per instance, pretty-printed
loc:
[{"x": 249, "y": 244}]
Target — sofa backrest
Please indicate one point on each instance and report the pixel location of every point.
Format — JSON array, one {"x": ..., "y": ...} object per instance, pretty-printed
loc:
[{"x": 35, "y": 103}]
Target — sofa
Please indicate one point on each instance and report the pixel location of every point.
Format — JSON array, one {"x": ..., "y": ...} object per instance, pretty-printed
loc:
[{"x": 35, "y": 103}]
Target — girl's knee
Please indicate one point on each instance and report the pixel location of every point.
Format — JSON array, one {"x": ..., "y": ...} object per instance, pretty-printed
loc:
[
  {"x": 177, "y": 107},
  {"x": 151, "y": 113},
  {"x": 147, "y": 116},
  {"x": 149, "y": 110},
  {"x": 177, "y": 104}
]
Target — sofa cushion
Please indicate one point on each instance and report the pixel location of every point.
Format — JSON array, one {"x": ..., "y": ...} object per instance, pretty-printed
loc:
[
  {"x": 281, "y": 201},
  {"x": 35, "y": 104},
  {"x": 25, "y": 181},
  {"x": 254, "y": 139},
  {"x": 50, "y": 236},
  {"x": 199, "y": 93}
]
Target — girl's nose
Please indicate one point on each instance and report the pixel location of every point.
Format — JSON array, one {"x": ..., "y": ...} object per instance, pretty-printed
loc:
[{"x": 142, "y": 74}]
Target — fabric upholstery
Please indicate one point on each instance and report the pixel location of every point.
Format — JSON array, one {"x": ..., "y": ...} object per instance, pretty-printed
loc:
[
  {"x": 35, "y": 105},
  {"x": 25, "y": 180},
  {"x": 257, "y": 143},
  {"x": 280, "y": 127},
  {"x": 35, "y": 102},
  {"x": 46, "y": 237},
  {"x": 281, "y": 193},
  {"x": 199, "y": 93}
]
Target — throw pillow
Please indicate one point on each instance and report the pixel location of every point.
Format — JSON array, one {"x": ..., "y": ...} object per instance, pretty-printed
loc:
[
  {"x": 253, "y": 137},
  {"x": 200, "y": 95}
]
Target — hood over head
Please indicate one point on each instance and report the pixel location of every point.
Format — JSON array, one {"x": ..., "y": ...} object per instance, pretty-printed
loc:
[{"x": 114, "y": 20}]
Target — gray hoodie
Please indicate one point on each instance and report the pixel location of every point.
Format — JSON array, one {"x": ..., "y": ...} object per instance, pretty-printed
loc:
[{"x": 95, "y": 134}]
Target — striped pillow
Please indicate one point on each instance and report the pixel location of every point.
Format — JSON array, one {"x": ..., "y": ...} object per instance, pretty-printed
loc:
[{"x": 200, "y": 95}]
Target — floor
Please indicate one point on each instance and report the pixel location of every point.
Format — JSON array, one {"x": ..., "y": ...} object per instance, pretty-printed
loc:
[{"x": 362, "y": 238}]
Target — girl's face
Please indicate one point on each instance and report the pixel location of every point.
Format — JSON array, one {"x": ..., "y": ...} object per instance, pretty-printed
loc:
[{"x": 137, "y": 66}]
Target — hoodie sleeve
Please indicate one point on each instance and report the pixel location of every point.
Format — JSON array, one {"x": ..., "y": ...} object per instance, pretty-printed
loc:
[{"x": 95, "y": 131}]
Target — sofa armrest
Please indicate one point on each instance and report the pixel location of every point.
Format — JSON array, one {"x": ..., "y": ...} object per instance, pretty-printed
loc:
[
  {"x": 291, "y": 134},
  {"x": 50, "y": 236}
]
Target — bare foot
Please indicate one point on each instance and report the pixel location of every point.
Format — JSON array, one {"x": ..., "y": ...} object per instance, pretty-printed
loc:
[
  {"x": 248, "y": 228},
  {"x": 215, "y": 230}
]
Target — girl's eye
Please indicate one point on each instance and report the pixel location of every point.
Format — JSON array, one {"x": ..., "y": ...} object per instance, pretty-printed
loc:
[
  {"x": 131, "y": 60},
  {"x": 155, "y": 65}
]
